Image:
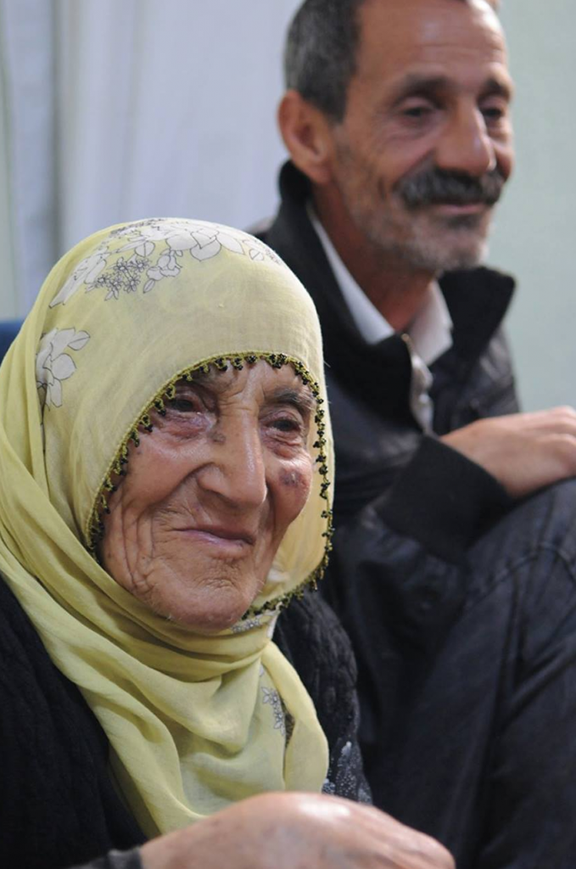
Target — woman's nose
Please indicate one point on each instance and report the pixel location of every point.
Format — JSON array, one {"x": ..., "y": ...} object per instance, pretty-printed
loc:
[
  {"x": 466, "y": 145},
  {"x": 237, "y": 470}
]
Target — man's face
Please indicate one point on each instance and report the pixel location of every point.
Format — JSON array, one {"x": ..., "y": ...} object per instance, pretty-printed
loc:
[{"x": 425, "y": 147}]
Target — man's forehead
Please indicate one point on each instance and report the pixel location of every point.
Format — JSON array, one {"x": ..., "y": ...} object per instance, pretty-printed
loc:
[
  {"x": 494, "y": 5},
  {"x": 424, "y": 82},
  {"x": 429, "y": 17},
  {"x": 398, "y": 37}
]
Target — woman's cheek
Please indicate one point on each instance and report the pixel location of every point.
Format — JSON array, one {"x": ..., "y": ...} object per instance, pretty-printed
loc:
[
  {"x": 156, "y": 471},
  {"x": 295, "y": 483}
]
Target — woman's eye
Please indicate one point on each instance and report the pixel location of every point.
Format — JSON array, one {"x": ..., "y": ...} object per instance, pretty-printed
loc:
[
  {"x": 287, "y": 424},
  {"x": 182, "y": 405},
  {"x": 288, "y": 428}
]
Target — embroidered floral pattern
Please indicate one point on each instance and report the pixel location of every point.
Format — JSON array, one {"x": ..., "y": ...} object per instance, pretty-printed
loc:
[
  {"x": 123, "y": 276},
  {"x": 257, "y": 621},
  {"x": 53, "y": 365},
  {"x": 87, "y": 272},
  {"x": 152, "y": 250},
  {"x": 247, "y": 625},
  {"x": 273, "y": 698}
]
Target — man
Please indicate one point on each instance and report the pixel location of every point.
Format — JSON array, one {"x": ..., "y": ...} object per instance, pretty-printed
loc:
[{"x": 461, "y": 609}]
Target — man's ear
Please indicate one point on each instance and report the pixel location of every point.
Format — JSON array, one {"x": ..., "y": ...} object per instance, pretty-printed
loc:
[{"x": 308, "y": 136}]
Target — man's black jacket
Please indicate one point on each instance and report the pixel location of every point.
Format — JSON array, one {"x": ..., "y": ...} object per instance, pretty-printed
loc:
[
  {"x": 376, "y": 435},
  {"x": 462, "y": 657}
]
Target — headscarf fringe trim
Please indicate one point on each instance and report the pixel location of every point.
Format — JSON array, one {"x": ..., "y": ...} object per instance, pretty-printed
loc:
[{"x": 95, "y": 525}]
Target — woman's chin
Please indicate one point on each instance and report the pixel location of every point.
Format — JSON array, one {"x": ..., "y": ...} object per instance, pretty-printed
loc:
[
  {"x": 210, "y": 625},
  {"x": 208, "y": 617}
]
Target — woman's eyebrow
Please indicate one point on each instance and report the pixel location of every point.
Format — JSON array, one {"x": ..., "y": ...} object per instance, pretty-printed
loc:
[
  {"x": 204, "y": 378},
  {"x": 301, "y": 399}
]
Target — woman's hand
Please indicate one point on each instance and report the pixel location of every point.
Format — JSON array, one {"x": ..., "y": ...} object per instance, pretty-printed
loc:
[{"x": 296, "y": 831}]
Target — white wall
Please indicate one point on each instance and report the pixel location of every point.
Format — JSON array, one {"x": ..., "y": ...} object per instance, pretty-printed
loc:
[{"x": 535, "y": 231}]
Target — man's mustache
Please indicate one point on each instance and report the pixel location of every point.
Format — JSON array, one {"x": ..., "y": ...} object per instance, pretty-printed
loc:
[{"x": 440, "y": 186}]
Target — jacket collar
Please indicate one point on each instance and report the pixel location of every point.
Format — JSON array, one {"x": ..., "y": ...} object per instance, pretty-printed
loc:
[{"x": 477, "y": 299}]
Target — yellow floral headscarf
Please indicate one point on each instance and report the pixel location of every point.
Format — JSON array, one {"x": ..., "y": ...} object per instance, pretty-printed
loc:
[{"x": 194, "y": 723}]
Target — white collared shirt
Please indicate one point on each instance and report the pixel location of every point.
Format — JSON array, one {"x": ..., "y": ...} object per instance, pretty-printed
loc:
[{"x": 428, "y": 336}]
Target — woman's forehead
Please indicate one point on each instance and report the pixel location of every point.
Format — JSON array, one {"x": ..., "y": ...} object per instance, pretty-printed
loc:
[{"x": 280, "y": 385}]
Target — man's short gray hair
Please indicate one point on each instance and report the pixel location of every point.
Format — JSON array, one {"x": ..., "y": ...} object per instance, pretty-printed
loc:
[{"x": 321, "y": 52}]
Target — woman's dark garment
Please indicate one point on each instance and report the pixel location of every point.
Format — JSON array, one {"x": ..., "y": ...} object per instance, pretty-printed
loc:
[{"x": 58, "y": 805}]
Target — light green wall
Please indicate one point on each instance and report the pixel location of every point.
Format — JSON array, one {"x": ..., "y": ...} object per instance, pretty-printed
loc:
[{"x": 534, "y": 236}]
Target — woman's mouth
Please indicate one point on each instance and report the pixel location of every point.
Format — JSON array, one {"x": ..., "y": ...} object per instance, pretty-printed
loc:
[{"x": 229, "y": 541}]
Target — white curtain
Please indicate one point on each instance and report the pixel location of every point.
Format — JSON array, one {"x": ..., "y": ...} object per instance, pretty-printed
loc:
[
  {"x": 28, "y": 210},
  {"x": 8, "y": 295},
  {"x": 122, "y": 110}
]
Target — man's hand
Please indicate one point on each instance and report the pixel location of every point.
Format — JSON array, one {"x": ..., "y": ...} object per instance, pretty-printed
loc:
[
  {"x": 296, "y": 831},
  {"x": 524, "y": 451}
]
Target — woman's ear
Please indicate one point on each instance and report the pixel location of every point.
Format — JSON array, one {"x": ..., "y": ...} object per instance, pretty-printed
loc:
[{"x": 307, "y": 134}]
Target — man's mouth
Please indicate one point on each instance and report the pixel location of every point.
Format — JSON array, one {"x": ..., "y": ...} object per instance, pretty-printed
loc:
[
  {"x": 454, "y": 192},
  {"x": 450, "y": 209}
]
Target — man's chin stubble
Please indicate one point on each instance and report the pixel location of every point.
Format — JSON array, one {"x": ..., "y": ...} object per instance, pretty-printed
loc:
[{"x": 445, "y": 244}]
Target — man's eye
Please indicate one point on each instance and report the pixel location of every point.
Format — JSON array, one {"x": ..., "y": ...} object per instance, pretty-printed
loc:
[
  {"x": 494, "y": 112},
  {"x": 417, "y": 111}
]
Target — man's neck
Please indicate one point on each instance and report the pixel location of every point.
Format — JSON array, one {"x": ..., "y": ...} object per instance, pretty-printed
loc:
[{"x": 395, "y": 289}]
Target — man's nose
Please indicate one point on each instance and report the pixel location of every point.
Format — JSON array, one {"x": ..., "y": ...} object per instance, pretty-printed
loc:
[
  {"x": 465, "y": 145},
  {"x": 237, "y": 472}
]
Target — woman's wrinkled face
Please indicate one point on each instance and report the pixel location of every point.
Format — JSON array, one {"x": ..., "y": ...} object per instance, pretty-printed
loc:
[{"x": 209, "y": 494}]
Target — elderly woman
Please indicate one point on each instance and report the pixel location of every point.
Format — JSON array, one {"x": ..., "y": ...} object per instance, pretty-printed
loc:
[{"x": 165, "y": 467}]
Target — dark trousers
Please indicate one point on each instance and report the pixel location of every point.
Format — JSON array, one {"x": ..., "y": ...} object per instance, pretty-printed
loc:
[{"x": 468, "y": 682}]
